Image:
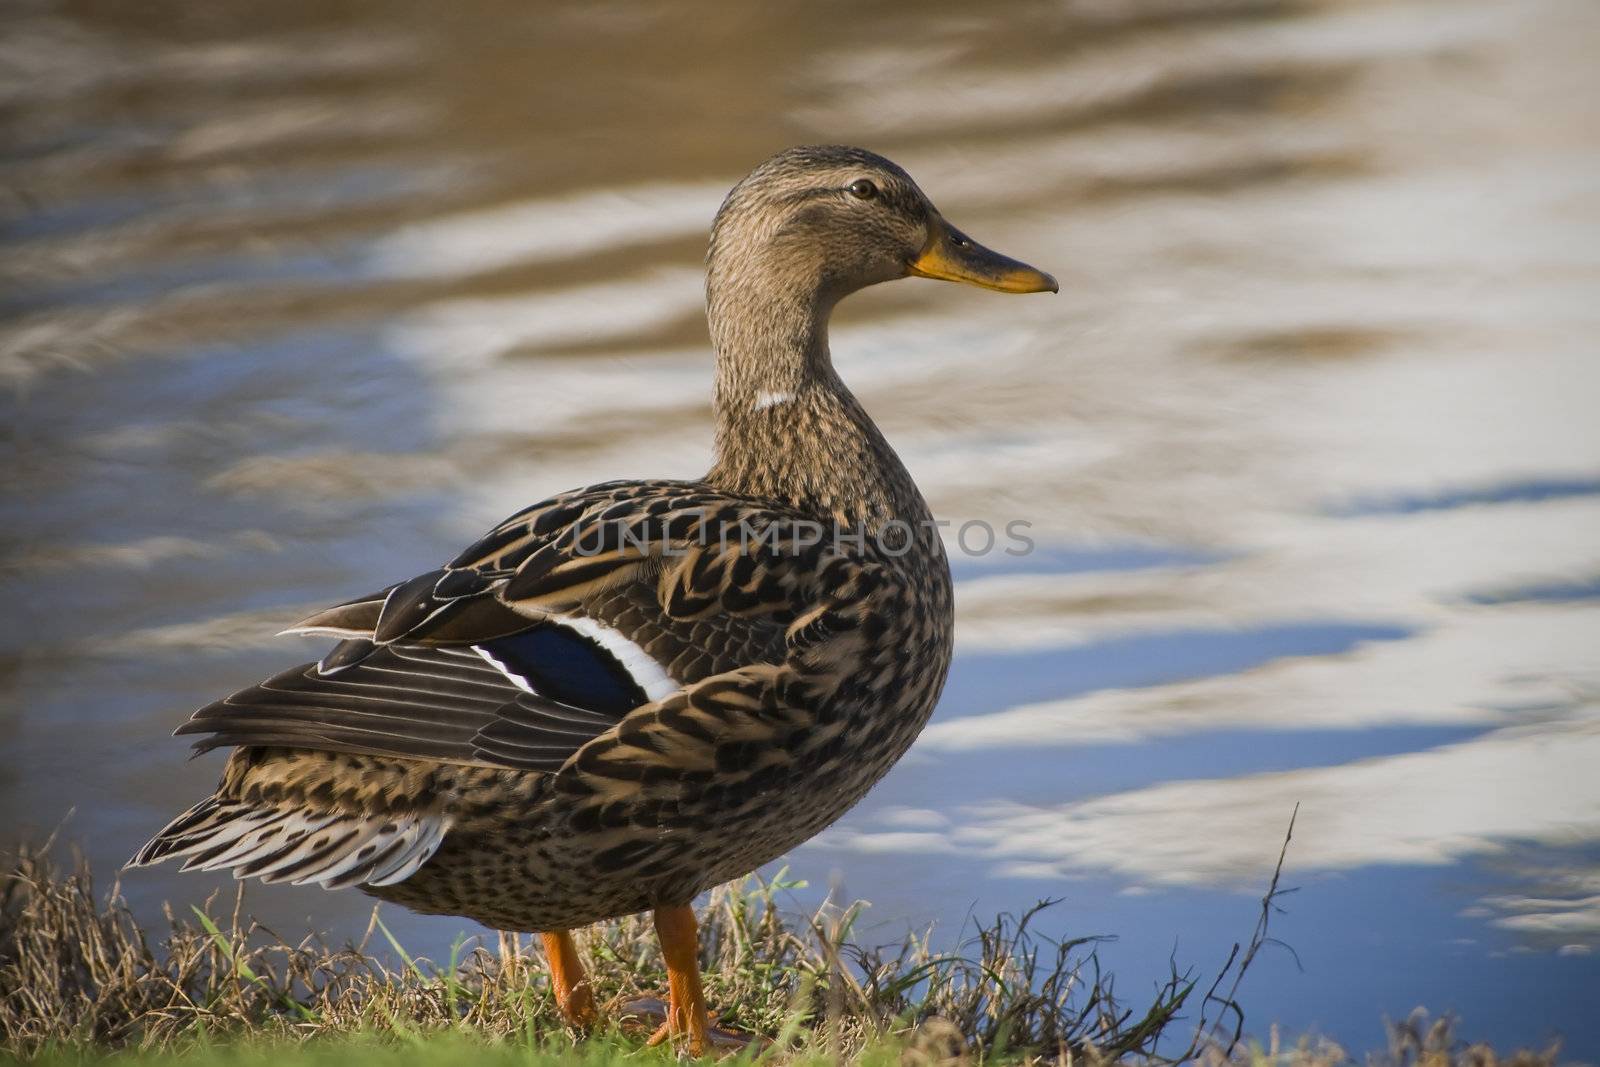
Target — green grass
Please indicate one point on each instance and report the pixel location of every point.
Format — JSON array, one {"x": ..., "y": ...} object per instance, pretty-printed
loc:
[
  {"x": 82, "y": 981},
  {"x": 1431, "y": 1046},
  {"x": 437, "y": 1050}
]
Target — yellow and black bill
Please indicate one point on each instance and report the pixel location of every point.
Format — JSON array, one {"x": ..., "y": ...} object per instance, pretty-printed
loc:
[{"x": 952, "y": 256}]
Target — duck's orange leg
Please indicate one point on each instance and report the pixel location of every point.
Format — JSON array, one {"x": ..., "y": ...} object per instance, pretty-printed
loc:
[
  {"x": 573, "y": 992},
  {"x": 686, "y": 1000}
]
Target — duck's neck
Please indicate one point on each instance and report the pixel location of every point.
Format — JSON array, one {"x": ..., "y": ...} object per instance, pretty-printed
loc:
[{"x": 787, "y": 428}]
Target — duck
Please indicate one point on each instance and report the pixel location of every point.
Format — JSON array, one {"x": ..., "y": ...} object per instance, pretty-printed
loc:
[{"x": 629, "y": 693}]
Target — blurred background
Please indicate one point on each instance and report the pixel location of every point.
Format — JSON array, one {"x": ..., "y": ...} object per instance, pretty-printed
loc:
[{"x": 297, "y": 298}]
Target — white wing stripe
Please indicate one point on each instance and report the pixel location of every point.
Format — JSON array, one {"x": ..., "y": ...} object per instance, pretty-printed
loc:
[
  {"x": 646, "y": 673},
  {"x": 520, "y": 682}
]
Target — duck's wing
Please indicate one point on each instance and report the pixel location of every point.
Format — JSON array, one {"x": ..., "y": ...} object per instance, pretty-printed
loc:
[
  {"x": 547, "y": 632},
  {"x": 413, "y": 701}
]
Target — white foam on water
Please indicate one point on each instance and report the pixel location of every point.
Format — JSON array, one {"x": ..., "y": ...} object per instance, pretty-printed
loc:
[
  {"x": 544, "y": 230},
  {"x": 1530, "y": 783}
]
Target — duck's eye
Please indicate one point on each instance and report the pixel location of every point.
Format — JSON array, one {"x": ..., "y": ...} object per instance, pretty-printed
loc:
[{"x": 862, "y": 189}]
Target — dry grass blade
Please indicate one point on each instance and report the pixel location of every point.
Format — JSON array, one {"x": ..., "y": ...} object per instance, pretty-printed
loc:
[
  {"x": 79, "y": 976},
  {"x": 79, "y": 971}
]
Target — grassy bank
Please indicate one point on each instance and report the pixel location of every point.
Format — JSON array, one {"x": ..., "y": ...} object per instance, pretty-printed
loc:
[{"x": 81, "y": 979}]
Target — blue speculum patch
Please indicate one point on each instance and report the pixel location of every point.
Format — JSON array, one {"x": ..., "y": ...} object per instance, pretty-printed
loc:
[{"x": 566, "y": 666}]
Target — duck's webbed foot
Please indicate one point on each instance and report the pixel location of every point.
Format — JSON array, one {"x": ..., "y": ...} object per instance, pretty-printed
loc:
[
  {"x": 712, "y": 1036},
  {"x": 574, "y": 994},
  {"x": 688, "y": 1023}
]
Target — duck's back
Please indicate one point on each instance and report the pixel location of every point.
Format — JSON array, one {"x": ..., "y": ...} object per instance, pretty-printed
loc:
[{"x": 616, "y": 698}]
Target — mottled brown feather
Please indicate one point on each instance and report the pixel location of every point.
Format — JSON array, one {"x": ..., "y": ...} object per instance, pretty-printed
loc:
[{"x": 803, "y": 671}]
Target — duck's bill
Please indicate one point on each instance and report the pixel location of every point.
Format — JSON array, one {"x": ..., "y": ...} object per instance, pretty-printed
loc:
[{"x": 952, "y": 256}]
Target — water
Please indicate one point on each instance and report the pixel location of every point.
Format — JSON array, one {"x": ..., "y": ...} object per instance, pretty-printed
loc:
[{"x": 296, "y": 300}]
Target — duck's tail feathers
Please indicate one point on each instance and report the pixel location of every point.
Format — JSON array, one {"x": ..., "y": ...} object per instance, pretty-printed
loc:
[{"x": 291, "y": 844}]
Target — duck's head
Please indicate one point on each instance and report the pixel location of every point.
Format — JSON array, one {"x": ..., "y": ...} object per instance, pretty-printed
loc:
[{"x": 820, "y": 222}]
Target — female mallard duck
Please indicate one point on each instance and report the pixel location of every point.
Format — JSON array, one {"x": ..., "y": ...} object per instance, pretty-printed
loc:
[{"x": 628, "y": 693}]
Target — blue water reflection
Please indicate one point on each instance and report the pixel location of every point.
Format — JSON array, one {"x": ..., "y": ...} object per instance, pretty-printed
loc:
[{"x": 291, "y": 308}]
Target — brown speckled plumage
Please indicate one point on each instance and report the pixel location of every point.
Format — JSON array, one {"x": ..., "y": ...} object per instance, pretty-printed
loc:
[{"x": 626, "y": 694}]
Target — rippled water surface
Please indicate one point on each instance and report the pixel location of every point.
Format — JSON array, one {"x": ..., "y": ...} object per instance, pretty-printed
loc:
[{"x": 296, "y": 298}]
